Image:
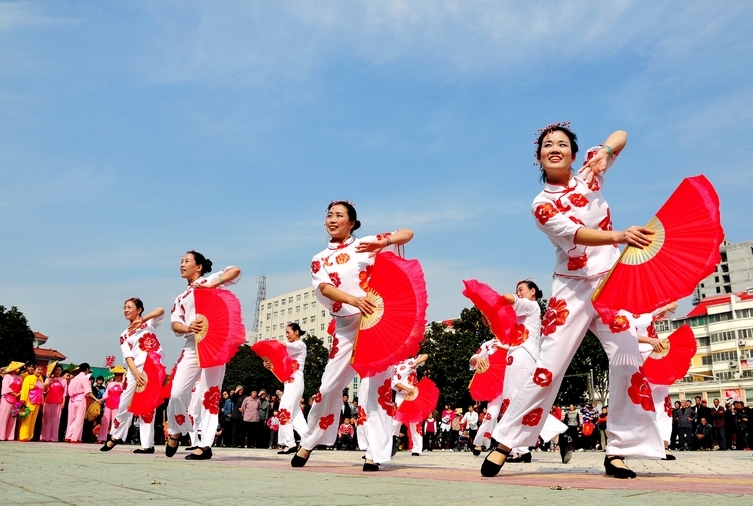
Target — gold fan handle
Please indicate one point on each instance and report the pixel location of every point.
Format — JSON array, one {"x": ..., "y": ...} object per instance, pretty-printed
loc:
[
  {"x": 472, "y": 378},
  {"x": 412, "y": 395},
  {"x": 609, "y": 274}
]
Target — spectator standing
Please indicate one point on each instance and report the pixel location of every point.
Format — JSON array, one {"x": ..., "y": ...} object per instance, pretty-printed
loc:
[
  {"x": 227, "y": 417},
  {"x": 673, "y": 439},
  {"x": 273, "y": 423},
  {"x": 573, "y": 421},
  {"x": 430, "y": 433},
  {"x": 684, "y": 417},
  {"x": 98, "y": 387},
  {"x": 696, "y": 408},
  {"x": 447, "y": 439},
  {"x": 264, "y": 413},
  {"x": 250, "y": 410},
  {"x": 730, "y": 424},
  {"x": 717, "y": 422},
  {"x": 470, "y": 419},
  {"x": 742, "y": 416},
  {"x": 239, "y": 429},
  {"x": 346, "y": 411},
  {"x": 601, "y": 424}
]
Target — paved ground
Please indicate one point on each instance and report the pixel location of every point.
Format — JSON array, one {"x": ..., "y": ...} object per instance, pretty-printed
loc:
[{"x": 57, "y": 473}]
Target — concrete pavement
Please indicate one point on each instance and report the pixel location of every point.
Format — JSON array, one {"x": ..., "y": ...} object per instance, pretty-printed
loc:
[{"x": 55, "y": 473}]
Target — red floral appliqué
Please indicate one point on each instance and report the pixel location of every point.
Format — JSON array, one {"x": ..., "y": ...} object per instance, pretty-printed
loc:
[
  {"x": 326, "y": 262},
  {"x": 342, "y": 258},
  {"x": 412, "y": 378},
  {"x": 509, "y": 359},
  {"x": 294, "y": 365},
  {"x": 190, "y": 419},
  {"x": 505, "y": 405},
  {"x": 544, "y": 212},
  {"x": 521, "y": 335},
  {"x": 576, "y": 221},
  {"x": 487, "y": 435},
  {"x": 640, "y": 391},
  {"x": 315, "y": 266},
  {"x": 361, "y": 416},
  {"x": 318, "y": 397},
  {"x": 212, "y": 400},
  {"x": 116, "y": 423},
  {"x": 606, "y": 223},
  {"x": 533, "y": 417},
  {"x": 326, "y": 421},
  {"x": 575, "y": 263},
  {"x": 419, "y": 429},
  {"x": 668, "y": 406},
  {"x": 149, "y": 342},
  {"x": 336, "y": 306},
  {"x": 651, "y": 331},
  {"x": 385, "y": 398},
  {"x": 334, "y": 349},
  {"x": 180, "y": 419},
  {"x": 284, "y": 416},
  {"x": 335, "y": 278},
  {"x": 577, "y": 200},
  {"x": 619, "y": 324},
  {"x": 364, "y": 276},
  {"x": 542, "y": 377},
  {"x": 556, "y": 315}
]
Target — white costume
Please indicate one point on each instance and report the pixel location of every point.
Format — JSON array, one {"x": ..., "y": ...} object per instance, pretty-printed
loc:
[
  {"x": 290, "y": 414},
  {"x": 136, "y": 344},
  {"x": 405, "y": 374},
  {"x": 111, "y": 397},
  {"x": 179, "y": 419},
  {"x": 194, "y": 411},
  {"x": 342, "y": 266},
  {"x": 560, "y": 211},
  {"x": 644, "y": 326}
]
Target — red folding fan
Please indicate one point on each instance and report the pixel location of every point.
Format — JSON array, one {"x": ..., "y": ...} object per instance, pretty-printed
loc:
[
  {"x": 275, "y": 351},
  {"x": 417, "y": 406},
  {"x": 395, "y": 329},
  {"x": 331, "y": 327},
  {"x": 498, "y": 311},
  {"x": 683, "y": 251},
  {"x": 674, "y": 360},
  {"x": 147, "y": 398},
  {"x": 219, "y": 312},
  {"x": 488, "y": 385}
]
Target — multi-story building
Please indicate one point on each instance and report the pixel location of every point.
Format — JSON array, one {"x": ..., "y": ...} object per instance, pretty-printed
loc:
[
  {"x": 734, "y": 273},
  {"x": 723, "y": 364}
]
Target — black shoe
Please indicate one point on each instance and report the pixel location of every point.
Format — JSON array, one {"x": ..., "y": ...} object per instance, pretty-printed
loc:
[
  {"x": 299, "y": 461},
  {"x": 288, "y": 451},
  {"x": 144, "y": 450},
  {"x": 414, "y": 454},
  {"x": 206, "y": 454},
  {"x": 669, "y": 456},
  {"x": 191, "y": 448},
  {"x": 370, "y": 468},
  {"x": 110, "y": 445},
  {"x": 171, "y": 450},
  {"x": 617, "y": 472},
  {"x": 526, "y": 457},
  {"x": 489, "y": 468},
  {"x": 476, "y": 451},
  {"x": 567, "y": 456},
  {"x": 395, "y": 444}
]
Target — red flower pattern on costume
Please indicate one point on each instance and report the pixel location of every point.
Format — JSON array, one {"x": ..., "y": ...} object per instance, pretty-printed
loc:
[
  {"x": 383, "y": 236},
  {"x": 576, "y": 263},
  {"x": 543, "y": 212},
  {"x": 577, "y": 200},
  {"x": 318, "y": 397},
  {"x": 385, "y": 398},
  {"x": 651, "y": 331},
  {"x": 521, "y": 335},
  {"x": 284, "y": 416},
  {"x": 668, "y": 406},
  {"x": 335, "y": 278},
  {"x": 326, "y": 421},
  {"x": 116, "y": 423},
  {"x": 361, "y": 416},
  {"x": 505, "y": 405},
  {"x": 294, "y": 365},
  {"x": 542, "y": 377},
  {"x": 125, "y": 383},
  {"x": 122, "y": 339},
  {"x": 342, "y": 258},
  {"x": 560, "y": 206},
  {"x": 640, "y": 391},
  {"x": 147, "y": 418},
  {"x": 533, "y": 417},
  {"x": 509, "y": 359},
  {"x": 180, "y": 419},
  {"x": 364, "y": 276},
  {"x": 315, "y": 266},
  {"x": 419, "y": 429},
  {"x": 212, "y": 400},
  {"x": 190, "y": 419},
  {"x": 334, "y": 349},
  {"x": 576, "y": 221},
  {"x": 336, "y": 306},
  {"x": 556, "y": 315},
  {"x": 488, "y": 435},
  {"x": 619, "y": 324},
  {"x": 326, "y": 262},
  {"x": 488, "y": 416},
  {"x": 149, "y": 342},
  {"x": 606, "y": 223},
  {"x": 412, "y": 378}
]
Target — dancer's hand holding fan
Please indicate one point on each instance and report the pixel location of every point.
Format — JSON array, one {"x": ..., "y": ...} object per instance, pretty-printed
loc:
[
  {"x": 488, "y": 384},
  {"x": 421, "y": 401},
  {"x": 276, "y": 354},
  {"x": 673, "y": 361},
  {"x": 218, "y": 312},
  {"x": 684, "y": 250},
  {"x": 148, "y": 397}
]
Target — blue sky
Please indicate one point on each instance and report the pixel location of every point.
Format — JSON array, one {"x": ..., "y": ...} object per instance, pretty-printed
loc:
[{"x": 133, "y": 131}]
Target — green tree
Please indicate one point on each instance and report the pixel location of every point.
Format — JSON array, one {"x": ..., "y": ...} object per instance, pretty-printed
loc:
[
  {"x": 16, "y": 338},
  {"x": 247, "y": 368},
  {"x": 589, "y": 357},
  {"x": 449, "y": 349},
  {"x": 316, "y": 360}
]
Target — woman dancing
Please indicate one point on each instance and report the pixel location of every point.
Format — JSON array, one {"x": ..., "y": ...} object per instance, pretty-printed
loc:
[
  {"x": 339, "y": 275},
  {"x": 572, "y": 212},
  {"x": 290, "y": 414},
  {"x": 193, "y": 266},
  {"x": 136, "y": 342},
  {"x": 11, "y": 390},
  {"x": 56, "y": 389}
]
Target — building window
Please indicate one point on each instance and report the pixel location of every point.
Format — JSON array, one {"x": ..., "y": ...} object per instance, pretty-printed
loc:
[
  {"x": 702, "y": 341},
  {"x": 725, "y": 356},
  {"x": 275, "y": 315},
  {"x": 306, "y": 295},
  {"x": 298, "y": 309},
  {"x": 322, "y": 327},
  {"x": 290, "y": 310},
  {"x": 324, "y": 313},
  {"x": 290, "y": 299},
  {"x": 706, "y": 360},
  {"x": 720, "y": 336},
  {"x": 274, "y": 327},
  {"x": 745, "y": 333},
  {"x": 743, "y": 313},
  {"x": 269, "y": 315},
  {"x": 277, "y": 303},
  {"x": 718, "y": 290},
  {"x": 269, "y": 305},
  {"x": 305, "y": 307},
  {"x": 298, "y": 298},
  {"x": 305, "y": 321},
  {"x": 313, "y": 319},
  {"x": 267, "y": 329},
  {"x": 313, "y": 304}
]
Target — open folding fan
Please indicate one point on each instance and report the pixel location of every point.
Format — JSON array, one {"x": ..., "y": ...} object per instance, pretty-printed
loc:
[
  {"x": 674, "y": 360},
  {"x": 497, "y": 310},
  {"x": 219, "y": 312},
  {"x": 488, "y": 385},
  {"x": 51, "y": 368},
  {"x": 416, "y": 407},
  {"x": 394, "y": 331},
  {"x": 147, "y": 398},
  {"x": 683, "y": 251},
  {"x": 282, "y": 365}
]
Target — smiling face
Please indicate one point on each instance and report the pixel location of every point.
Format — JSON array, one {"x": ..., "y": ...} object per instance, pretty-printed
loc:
[
  {"x": 189, "y": 269},
  {"x": 524, "y": 292},
  {"x": 556, "y": 157},
  {"x": 338, "y": 223},
  {"x": 291, "y": 334},
  {"x": 130, "y": 311}
]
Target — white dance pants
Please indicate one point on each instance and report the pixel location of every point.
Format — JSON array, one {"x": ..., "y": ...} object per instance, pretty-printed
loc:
[
  {"x": 632, "y": 428},
  {"x": 122, "y": 420},
  {"x": 290, "y": 414},
  {"x": 415, "y": 430}
]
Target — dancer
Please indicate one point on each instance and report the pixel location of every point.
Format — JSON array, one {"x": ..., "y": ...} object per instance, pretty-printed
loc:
[
  {"x": 56, "y": 389},
  {"x": 290, "y": 414},
  {"x": 32, "y": 393},
  {"x": 11, "y": 390},
  {"x": 572, "y": 212},
  {"x": 111, "y": 401},
  {"x": 404, "y": 381},
  {"x": 136, "y": 342},
  {"x": 648, "y": 342},
  {"x": 194, "y": 413},
  {"x": 339, "y": 275},
  {"x": 79, "y": 389},
  {"x": 193, "y": 266}
]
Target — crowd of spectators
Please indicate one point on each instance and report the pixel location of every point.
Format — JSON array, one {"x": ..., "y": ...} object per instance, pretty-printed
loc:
[{"x": 702, "y": 427}]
